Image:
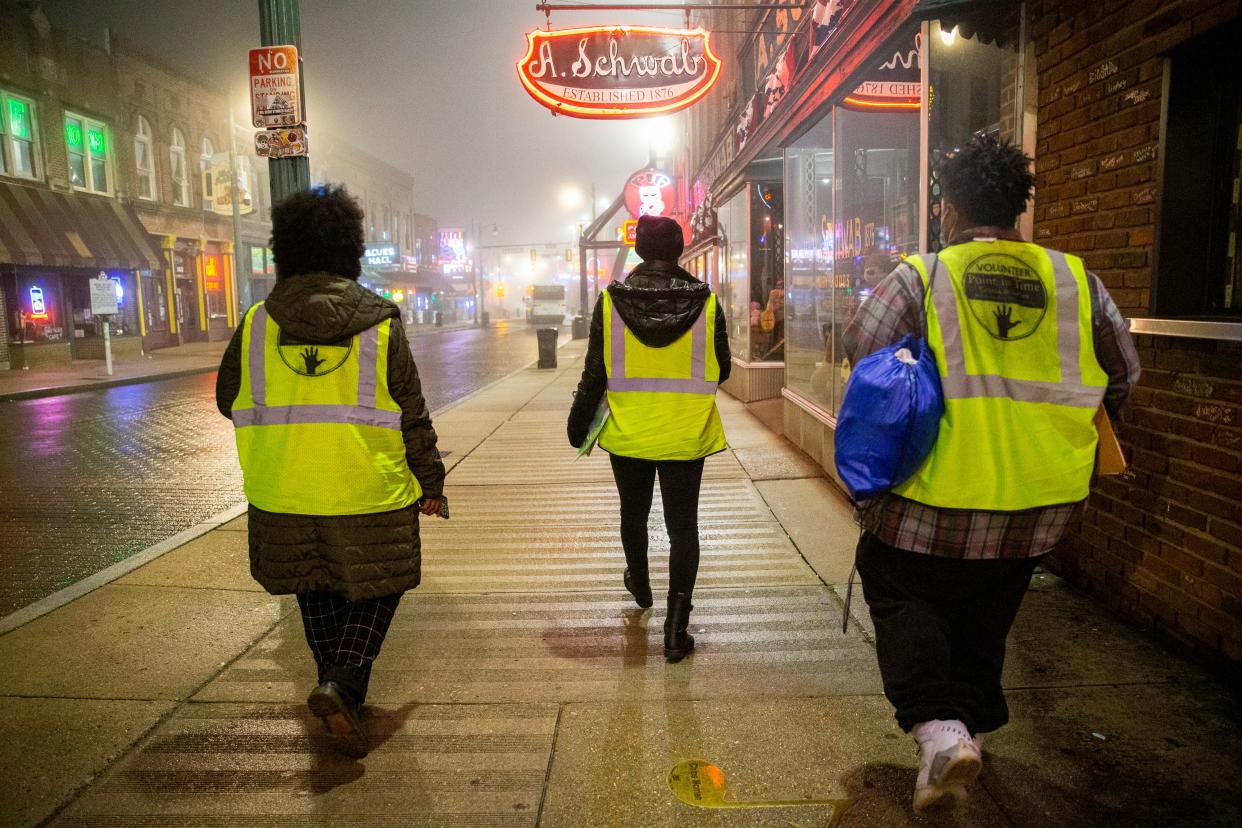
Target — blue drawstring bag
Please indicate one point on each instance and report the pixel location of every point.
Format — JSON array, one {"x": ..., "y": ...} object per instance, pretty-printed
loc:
[{"x": 889, "y": 417}]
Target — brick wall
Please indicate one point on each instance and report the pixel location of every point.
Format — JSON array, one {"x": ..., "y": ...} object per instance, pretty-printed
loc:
[{"x": 1163, "y": 543}]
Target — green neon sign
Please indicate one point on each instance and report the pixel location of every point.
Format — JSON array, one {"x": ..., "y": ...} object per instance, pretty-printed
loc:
[
  {"x": 17, "y": 118},
  {"x": 95, "y": 140},
  {"x": 73, "y": 133}
]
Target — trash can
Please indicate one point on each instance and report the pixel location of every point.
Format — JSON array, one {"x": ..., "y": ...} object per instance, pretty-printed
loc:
[
  {"x": 547, "y": 347},
  {"x": 580, "y": 330},
  {"x": 487, "y": 318},
  {"x": 439, "y": 319}
]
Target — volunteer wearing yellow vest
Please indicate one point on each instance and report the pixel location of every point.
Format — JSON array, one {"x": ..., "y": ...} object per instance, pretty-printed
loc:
[
  {"x": 1028, "y": 345},
  {"x": 337, "y": 450},
  {"x": 657, "y": 350}
]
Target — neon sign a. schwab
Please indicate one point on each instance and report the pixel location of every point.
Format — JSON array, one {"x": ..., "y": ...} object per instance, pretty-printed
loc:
[{"x": 618, "y": 71}]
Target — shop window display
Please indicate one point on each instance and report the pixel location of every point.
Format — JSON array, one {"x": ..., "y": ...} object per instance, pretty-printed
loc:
[{"x": 733, "y": 292}]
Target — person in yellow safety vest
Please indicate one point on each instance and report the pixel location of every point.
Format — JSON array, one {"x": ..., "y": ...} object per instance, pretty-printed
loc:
[
  {"x": 1028, "y": 345},
  {"x": 337, "y": 450},
  {"x": 657, "y": 350}
]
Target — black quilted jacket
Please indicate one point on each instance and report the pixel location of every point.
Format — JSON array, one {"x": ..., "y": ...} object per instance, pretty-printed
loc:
[
  {"x": 658, "y": 301},
  {"x": 362, "y": 556}
]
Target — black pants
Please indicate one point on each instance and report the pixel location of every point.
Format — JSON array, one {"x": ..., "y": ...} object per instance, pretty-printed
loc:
[
  {"x": 346, "y": 636},
  {"x": 940, "y": 629},
  {"x": 679, "y": 489}
]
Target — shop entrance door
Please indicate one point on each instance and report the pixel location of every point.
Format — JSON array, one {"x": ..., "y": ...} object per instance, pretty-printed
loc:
[{"x": 187, "y": 312}]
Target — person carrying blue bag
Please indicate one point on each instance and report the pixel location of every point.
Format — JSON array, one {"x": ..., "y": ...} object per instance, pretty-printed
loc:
[{"x": 1027, "y": 345}]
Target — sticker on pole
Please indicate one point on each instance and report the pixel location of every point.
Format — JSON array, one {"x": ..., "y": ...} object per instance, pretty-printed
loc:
[
  {"x": 275, "y": 87},
  {"x": 281, "y": 143}
]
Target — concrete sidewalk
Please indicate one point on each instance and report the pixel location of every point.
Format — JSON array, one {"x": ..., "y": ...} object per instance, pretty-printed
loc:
[{"x": 520, "y": 685}]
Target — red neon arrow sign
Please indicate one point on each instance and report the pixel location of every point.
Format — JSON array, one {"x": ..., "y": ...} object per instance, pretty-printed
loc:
[{"x": 618, "y": 71}]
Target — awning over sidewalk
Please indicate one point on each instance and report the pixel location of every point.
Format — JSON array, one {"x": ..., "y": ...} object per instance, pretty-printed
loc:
[
  {"x": 993, "y": 21},
  {"x": 42, "y": 227}
]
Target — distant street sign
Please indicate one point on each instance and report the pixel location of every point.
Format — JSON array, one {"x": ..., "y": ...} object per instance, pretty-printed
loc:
[
  {"x": 103, "y": 297},
  {"x": 281, "y": 143},
  {"x": 275, "y": 87}
]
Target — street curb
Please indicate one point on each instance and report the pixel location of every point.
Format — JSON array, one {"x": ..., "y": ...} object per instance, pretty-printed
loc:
[
  {"x": 119, "y": 569},
  {"x": 62, "y": 390}
]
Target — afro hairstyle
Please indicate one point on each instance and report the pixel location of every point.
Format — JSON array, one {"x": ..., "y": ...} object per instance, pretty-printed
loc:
[
  {"x": 318, "y": 230},
  {"x": 989, "y": 181}
]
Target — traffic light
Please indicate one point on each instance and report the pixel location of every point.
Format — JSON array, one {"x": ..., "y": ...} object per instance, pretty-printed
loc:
[
  {"x": 569, "y": 255},
  {"x": 500, "y": 291},
  {"x": 534, "y": 257}
]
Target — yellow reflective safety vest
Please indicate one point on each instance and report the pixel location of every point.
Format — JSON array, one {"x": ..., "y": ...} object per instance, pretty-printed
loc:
[
  {"x": 1010, "y": 325},
  {"x": 318, "y": 432},
  {"x": 662, "y": 400}
]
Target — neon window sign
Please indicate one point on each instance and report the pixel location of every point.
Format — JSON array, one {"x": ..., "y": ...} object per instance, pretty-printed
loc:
[
  {"x": 610, "y": 72},
  {"x": 38, "y": 306}
]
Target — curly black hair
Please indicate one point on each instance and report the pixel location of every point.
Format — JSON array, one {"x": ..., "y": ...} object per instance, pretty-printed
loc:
[
  {"x": 318, "y": 230},
  {"x": 989, "y": 181}
]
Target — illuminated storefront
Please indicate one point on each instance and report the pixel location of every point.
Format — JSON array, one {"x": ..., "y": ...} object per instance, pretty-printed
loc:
[
  {"x": 45, "y": 273},
  {"x": 825, "y": 177}
]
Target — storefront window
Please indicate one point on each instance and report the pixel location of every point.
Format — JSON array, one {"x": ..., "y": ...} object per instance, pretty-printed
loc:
[
  {"x": 34, "y": 307},
  {"x": 767, "y": 271},
  {"x": 852, "y": 213},
  {"x": 733, "y": 292},
  {"x": 810, "y": 298},
  {"x": 974, "y": 91}
]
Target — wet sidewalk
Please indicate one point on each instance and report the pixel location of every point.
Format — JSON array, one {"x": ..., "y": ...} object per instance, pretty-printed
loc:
[{"x": 520, "y": 686}]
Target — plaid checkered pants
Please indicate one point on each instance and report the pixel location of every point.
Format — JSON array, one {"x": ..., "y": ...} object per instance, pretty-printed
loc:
[{"x": 345, "y": 637}]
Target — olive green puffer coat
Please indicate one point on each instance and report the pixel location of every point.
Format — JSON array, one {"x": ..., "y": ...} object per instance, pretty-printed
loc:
[{"x": 356, "y": 556}]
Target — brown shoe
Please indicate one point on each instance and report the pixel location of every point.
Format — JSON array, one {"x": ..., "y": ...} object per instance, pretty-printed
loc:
[{"x": 340, "y": 716}]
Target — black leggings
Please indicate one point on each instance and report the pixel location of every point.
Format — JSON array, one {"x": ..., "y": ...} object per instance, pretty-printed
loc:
[{"x": 679, "y": 489}]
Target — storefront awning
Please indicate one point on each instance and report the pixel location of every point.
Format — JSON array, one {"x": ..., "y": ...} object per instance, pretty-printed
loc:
[
  {"x": 991, "y": 21},
  {"x": 42, "y": 227}
]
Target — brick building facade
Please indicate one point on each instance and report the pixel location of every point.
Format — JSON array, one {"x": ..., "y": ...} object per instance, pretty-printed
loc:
[{"x": 1163, "y": 543}]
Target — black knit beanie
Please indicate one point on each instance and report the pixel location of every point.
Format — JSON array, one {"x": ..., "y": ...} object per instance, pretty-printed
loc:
[{"x": 658, "y": 238}]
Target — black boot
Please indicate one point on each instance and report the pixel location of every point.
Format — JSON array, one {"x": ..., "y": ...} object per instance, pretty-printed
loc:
[
  {"x": 340, "y": 715},
  {"x": 640, "y": 587},
  {"x": 677, "y": 642}
]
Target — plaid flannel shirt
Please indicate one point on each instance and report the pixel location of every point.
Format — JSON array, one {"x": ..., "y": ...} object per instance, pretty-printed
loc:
[{"x": 895, "y": 309}]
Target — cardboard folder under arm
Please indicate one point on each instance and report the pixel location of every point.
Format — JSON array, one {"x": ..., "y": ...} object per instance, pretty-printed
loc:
[{"x": 1108, "y": 457}]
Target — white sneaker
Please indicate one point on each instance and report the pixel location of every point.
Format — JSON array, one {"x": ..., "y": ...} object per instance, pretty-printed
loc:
[{"x": 949, "y": 760}]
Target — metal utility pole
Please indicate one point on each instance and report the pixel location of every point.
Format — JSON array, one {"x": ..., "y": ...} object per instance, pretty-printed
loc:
[
  {"x": 280, "y": 24},
  {"x": 241, "y": 285}
]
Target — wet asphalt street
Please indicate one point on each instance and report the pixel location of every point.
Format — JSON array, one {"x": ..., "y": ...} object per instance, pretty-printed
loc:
[{"x": 91, "y": 478}]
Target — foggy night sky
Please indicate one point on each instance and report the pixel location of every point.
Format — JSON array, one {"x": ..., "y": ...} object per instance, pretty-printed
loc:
[{"x": 426, "y": 85}]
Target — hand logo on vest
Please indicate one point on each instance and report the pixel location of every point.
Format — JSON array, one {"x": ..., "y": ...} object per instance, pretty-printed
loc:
[
  {"x": 1005, "y": 321},
  {"x": 311, "y": 357}
]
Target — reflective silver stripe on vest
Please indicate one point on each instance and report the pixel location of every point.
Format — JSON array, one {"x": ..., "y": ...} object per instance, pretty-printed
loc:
[
  {"x": 364, "y": 413},
  {"x": 312, "y": 414},
  {"x": 368, "y": 347},
  {"x": 618, "y": 381},
  {"x": 258, "y": 347},
  {"x": 957, "y": 384}
]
